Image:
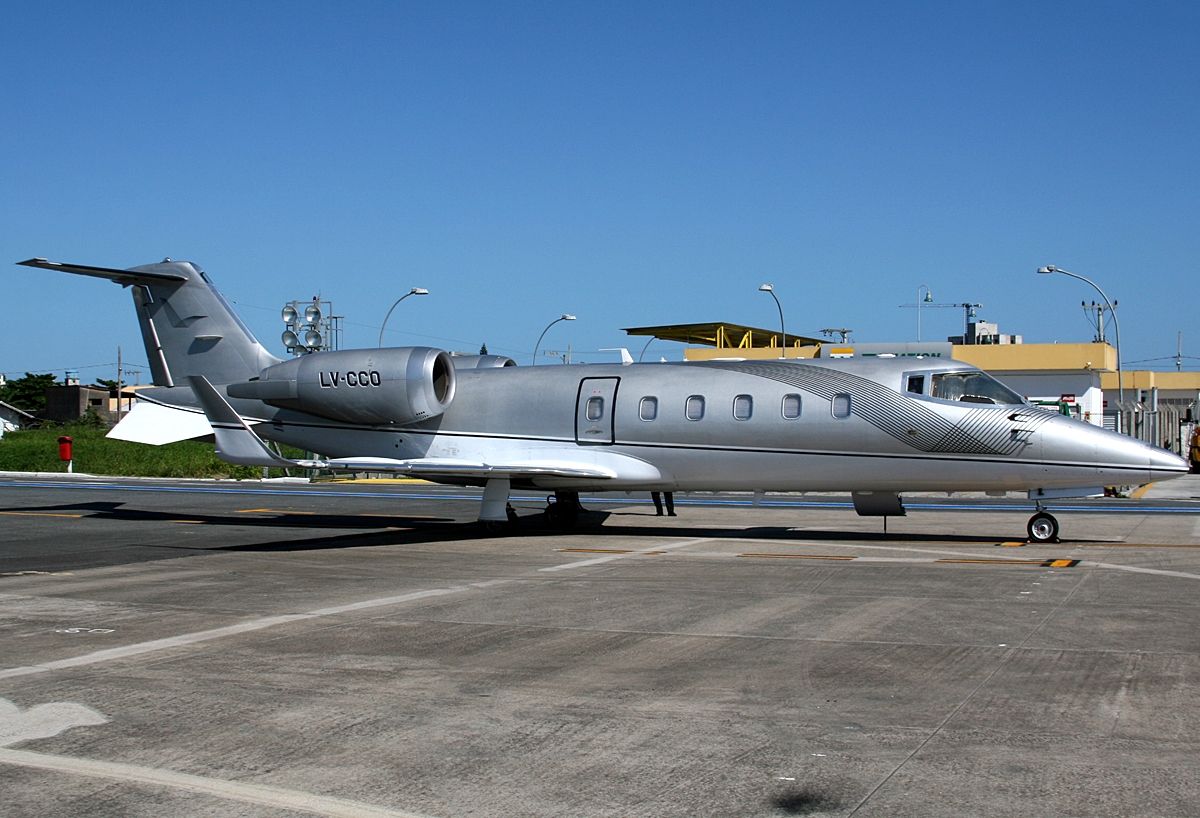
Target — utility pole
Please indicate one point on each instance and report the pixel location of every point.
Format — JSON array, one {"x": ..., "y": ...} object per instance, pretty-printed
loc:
[
  {"x": 1098, "y": 323},
  {"x": 118, "y": 384}
]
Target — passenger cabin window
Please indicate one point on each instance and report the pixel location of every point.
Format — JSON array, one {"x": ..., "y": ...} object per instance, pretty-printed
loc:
[
  {"x": 595, "y": 408},
  {"x": 791, "y": 406},
  {"x": 841, "y": 405},
  {"x": 916, "y": 384},
  {"x": 973, "y": 387},
  {"x": 695, "y": 407},
  {"x": 648, "y": 408},
  {"x": 743, "y": 407}
]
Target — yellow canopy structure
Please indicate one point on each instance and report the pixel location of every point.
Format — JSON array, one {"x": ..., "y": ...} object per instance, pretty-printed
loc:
[{"x": 723, "y": 336}]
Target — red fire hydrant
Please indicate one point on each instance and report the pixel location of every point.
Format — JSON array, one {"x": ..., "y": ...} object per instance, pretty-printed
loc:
[{"x": 64, "y": 452}]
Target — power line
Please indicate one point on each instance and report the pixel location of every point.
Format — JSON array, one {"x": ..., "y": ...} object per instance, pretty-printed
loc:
[{"x": 125, "y": 365}]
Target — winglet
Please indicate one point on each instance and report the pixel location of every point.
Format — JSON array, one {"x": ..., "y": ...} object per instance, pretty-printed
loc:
[{"x": 236, "y": 441}]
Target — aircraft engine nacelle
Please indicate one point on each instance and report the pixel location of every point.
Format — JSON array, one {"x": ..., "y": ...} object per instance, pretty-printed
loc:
[{"x": 360, "y": 386}]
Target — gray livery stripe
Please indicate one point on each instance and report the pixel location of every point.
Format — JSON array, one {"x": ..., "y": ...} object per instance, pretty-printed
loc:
[{"x": 979, "y": 431}]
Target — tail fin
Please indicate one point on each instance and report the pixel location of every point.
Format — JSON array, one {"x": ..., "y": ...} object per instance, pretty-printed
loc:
[{"x": 187, "y": 325}]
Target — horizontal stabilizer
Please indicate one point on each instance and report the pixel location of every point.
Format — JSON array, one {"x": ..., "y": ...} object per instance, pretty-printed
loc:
[
  {"x": 124, "y": 277},
  {"x": 157, "y": 424}
]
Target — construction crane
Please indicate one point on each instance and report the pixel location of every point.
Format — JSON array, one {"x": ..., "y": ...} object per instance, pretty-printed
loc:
[{"x": 967, "y": 307}]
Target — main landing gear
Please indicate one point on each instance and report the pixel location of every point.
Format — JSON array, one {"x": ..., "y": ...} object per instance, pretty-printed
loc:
[
  {"x": 1043, "y": 527},
  {"x": 563, "y": 511},
  {"x": 496, "y": 514}
]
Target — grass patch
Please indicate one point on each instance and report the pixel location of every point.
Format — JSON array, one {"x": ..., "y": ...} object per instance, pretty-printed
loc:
[{"x": 37, "y": 450}]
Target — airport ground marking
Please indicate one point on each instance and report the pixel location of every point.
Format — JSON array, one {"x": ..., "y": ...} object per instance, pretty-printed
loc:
[
  {"x": 638, "y": 553},
  {"x": 1140, "y": 492},
  {"x": 1046, "y": 563},
  {"x": 596, "y": 551},
  {"x": 798, "y": 556},
  {"x": 184, "y": 639},
  {"x": 1042, "y": 563},
  {"x": 1133, "y": 569},
  {"x": 259, "y": 794},
  {"x": 604, "y": 551},
  {"x": 270, "y": 511}
]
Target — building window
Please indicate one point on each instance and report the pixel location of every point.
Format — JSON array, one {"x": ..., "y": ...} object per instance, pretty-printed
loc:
[
  {"x": 916, "y": 384},
  {"x": 841, "y": 405},
  {"x": 743, "y": 407},
  {"x": 648, "y": 409},
  {"x": 791, "y": 406},
  {"x": 595, "y": 408},
  {"x": 695, "y": 407}
]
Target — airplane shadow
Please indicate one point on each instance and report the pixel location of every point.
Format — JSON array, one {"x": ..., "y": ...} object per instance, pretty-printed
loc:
[
  {"x": 280, "y": 519},
  {"x": 391, "y": 530}
]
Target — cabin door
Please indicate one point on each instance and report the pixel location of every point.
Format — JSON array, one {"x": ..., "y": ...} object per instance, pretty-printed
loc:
[{"x": 594, "y": 411}]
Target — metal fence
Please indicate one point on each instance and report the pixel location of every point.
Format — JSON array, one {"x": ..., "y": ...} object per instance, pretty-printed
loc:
[{"x": 1165, "y": 422}]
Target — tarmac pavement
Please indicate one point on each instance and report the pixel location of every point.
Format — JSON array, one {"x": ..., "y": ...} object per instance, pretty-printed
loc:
[{"x": 245, "y": 649}]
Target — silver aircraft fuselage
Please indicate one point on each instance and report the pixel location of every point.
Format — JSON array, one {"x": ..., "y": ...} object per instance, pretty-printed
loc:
[{"x": 712, "y": 426}]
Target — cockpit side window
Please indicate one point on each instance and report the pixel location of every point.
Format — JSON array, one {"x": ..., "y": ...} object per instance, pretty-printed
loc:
[
  {"x": 916, "y": 384},
  {"x": 973, "y": 387}
]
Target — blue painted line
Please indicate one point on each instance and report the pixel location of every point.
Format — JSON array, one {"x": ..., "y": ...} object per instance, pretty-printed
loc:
[
  {"x": 214, "y": 490},
  {"x": 691, "y": 501}
]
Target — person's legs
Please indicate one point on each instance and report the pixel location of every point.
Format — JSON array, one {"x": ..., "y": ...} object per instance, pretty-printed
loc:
[
  {"x": 654, "y": 495},
  {"x": 670, "y": 504}
]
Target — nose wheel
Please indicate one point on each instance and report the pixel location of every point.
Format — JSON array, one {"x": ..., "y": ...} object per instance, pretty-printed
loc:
[{"x": 1042, "y": 528}]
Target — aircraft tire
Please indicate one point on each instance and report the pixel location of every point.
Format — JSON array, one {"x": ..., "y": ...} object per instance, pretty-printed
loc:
[
  {"x": 1042, "y": 528},
  {"x": 496, "y": 528},
  {"x": 560, "y": 515}
]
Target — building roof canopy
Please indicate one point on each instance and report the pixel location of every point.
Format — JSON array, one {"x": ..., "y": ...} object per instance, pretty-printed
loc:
[{"x": 722, "y": 335}]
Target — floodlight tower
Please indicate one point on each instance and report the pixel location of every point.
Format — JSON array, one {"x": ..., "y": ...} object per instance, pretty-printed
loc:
[{"x": 310, "y": 326}]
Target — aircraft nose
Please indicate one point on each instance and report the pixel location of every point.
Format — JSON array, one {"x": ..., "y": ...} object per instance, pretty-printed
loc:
[
  {"x": 1120, "y": 457},
  {"x": 1164, "y": 464}
]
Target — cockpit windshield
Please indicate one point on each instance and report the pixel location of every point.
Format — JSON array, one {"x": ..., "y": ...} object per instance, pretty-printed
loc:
[{"x": 973, "y": 387}]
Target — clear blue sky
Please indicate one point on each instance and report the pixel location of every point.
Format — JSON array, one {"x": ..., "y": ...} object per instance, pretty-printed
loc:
[{"x": 631, "y": 164}]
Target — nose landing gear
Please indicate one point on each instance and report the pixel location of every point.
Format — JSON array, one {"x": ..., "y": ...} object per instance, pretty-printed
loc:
[{"x": 1042, "y": 527}]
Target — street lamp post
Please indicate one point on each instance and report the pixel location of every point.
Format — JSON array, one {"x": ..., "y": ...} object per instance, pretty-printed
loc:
[
  {"x": 767, "y": 288},
  {"x": 413, "y": 291},
  {"x": 1116, "y": 324},
  {"x": 928, "y": 298},
  {"x": 565, "y": 317}
]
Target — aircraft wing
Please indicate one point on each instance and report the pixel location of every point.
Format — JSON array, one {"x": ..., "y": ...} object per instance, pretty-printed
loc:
[{"x": 238, "y": 444}]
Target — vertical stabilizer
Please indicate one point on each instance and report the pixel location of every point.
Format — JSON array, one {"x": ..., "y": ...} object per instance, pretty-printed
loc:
[{"x": 187, "y": 325}]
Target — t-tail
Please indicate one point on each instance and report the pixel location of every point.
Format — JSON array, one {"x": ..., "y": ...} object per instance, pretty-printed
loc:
[{"x": 187, "y": 325}]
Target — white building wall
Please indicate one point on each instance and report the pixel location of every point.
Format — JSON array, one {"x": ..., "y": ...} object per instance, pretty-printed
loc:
[{"x": 1086, "y": 398}]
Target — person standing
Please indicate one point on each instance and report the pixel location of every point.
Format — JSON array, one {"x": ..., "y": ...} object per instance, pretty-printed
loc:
[{"x": 658, "y": 503}]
